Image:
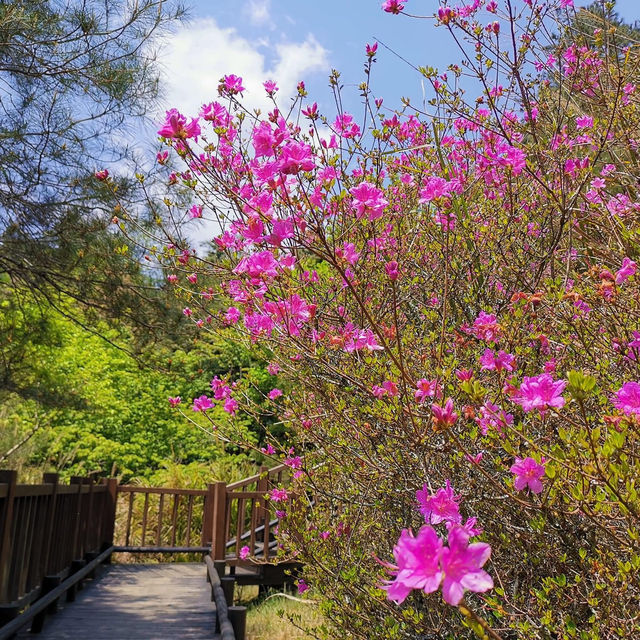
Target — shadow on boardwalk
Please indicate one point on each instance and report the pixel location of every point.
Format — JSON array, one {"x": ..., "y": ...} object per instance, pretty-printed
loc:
[{"x": 137, "y": 602}]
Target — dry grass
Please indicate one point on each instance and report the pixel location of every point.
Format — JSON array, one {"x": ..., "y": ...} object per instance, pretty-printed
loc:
[{"x": 276, "y": 617}]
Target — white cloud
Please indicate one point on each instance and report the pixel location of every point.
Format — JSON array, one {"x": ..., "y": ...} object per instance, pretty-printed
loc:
[
  {"x": 259, "y": 12},
  {"x": 200, "y": 53}
]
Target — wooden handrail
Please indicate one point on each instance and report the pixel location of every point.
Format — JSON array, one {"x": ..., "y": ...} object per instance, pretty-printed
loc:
[
  {"x": 41, "y": 605},
  {"x": 227, "y": 630},
  {"x": 232, "y": 486}
]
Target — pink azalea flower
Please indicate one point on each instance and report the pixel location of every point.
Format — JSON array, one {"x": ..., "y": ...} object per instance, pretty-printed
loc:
[
  {"x": 417, "y": 564},
  {"x": 391, "y": 269},
  {"x": 584, "y": 122},
  {"x": 230, "y": 85},
  {"x": 345, "y": 125},
  {"x": 527, "y": 474},
  {"x": 230, "y": 406},
  {"x": 302, "y": 586},
  {"x": 501, "y": 361},
  {"x": 202, "y": 403},
  {"x": 368, "y": 200},
  {"x": 444, "y": 417},
  {"x": 491, "y": 415},
  {"x": 462, "y": 566},
  {"x": 270, "y": 87},
  {"x": 172, "y": 278},
  {"x": 627, "y": 398},
  {"x": 244, "y": 553},
  {"x": 187, "y": 312},
  {"x": 427, "y": 389},
  {"x": 279, "y": 495},
  {"x": 627, "y": 270},
  {"x": 393, "y": 6},
  {"x": 274, "y": 394},
  {"x": 485, "y": 327},
  {"x": 174, "y": 402},
  {"x": 232, "y": 315},
  {"x": 176, "y": 126},
  {"x": 268, "y": 450},
  {"x": 101, "y": 175},
  {"x": 296, "y": 157},
  {"x": 440, "y": 507},
  {"x": 469, "y": 526},
  {"x": 540, "y": 392}
]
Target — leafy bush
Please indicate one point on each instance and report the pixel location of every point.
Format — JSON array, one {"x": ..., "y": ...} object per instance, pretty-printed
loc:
[{"x": 450, "y": 298}]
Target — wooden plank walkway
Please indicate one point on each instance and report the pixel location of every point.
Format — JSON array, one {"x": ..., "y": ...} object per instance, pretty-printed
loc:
[{"x": 137, "y": 602}]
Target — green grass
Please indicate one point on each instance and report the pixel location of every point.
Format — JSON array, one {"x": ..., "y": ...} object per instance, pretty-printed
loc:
[{"x": 276, "y": 617}]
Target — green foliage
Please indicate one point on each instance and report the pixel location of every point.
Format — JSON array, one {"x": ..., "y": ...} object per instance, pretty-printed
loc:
[{"x": 98, "y": 410}]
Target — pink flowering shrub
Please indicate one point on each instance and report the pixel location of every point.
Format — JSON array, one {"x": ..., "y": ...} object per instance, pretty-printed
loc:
[{"x": 448, "y": 301}]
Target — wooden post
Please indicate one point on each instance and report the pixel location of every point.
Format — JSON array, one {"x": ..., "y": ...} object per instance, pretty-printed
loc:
[
  {"x": 76, "y": 565},
  {"x": 238, "y": 620},
  {"x": 262, "y": 513},
  {"x": 109, "y": 515},
  {"x": 228, "y": 585},
  {"x": 11, "y": 479},
  {"x": 54, "y": 479},
  {"x": 76, "y": 548},
  {"x": 49, "y": 583},
  {"x": 207, "y": 516},
  {"x": 219, "y": 543}
]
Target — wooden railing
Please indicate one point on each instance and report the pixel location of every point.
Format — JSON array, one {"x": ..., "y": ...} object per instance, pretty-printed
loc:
[
  {"x": 220, "y": 519},
  {"x": 46, "y": 532},
  {"x": 53, "y": 535},
  {"x": 243, "y": 517}
]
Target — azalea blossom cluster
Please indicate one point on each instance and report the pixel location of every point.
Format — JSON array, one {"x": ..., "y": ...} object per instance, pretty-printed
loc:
[
  {"x": 424, "y": 563},
  {"x": 451, "y": 297}
]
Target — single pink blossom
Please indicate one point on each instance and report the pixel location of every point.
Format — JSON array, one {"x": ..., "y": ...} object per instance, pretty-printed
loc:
[
  {"x": 230, "y": 85},
  {"x": 368, "y": 201},
  {"x": 427, "y": 389},
  {"x": 417, "y": 564},
  {"x": 302, "y": 586},
  {"x": 101, "y": 175},
  {"x": 393, "y": 6},
  {"x": 627, "y": 398},
  {"x": 462, "y": 566},
  {"x": 584, "y": 122},
  {"x": 527, "y": 474},
  {"x": 279, "y": 495},
  {"x": 443, "y": 417},
  {"x": 175, "y": 401},
  {"x": 627, "y": 270},
  {"x": 486, "y": 327},
  {"x": 202, "y": 403},
  {"x": 540, "y": 392},
  {"x": 176, "y": 126},
  {"x": 230, "y": 406},
  {"x": 501, "y": 361},
  {"x": 245, "y": 552},
  {"x": 440, "y": 507},
  {"x": 270, "y": 87},
  {"x": 274, "y": 394}
]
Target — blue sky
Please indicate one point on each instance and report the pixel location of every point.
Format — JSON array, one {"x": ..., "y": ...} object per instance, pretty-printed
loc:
[{"x": 291, "y": 40}]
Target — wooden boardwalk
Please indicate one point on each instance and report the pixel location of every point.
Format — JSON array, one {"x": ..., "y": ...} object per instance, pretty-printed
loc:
[{"x": 137, "y": 602}]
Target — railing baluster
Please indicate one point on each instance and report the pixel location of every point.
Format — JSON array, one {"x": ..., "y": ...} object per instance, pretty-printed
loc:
[
  {"x": 145, "y": 513},
  {"x": 189, "y": 516},
  {"x": 174, "y": 518},
  {"x": 129, "y": 516},
  {"x": 160, "y": 509}
]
